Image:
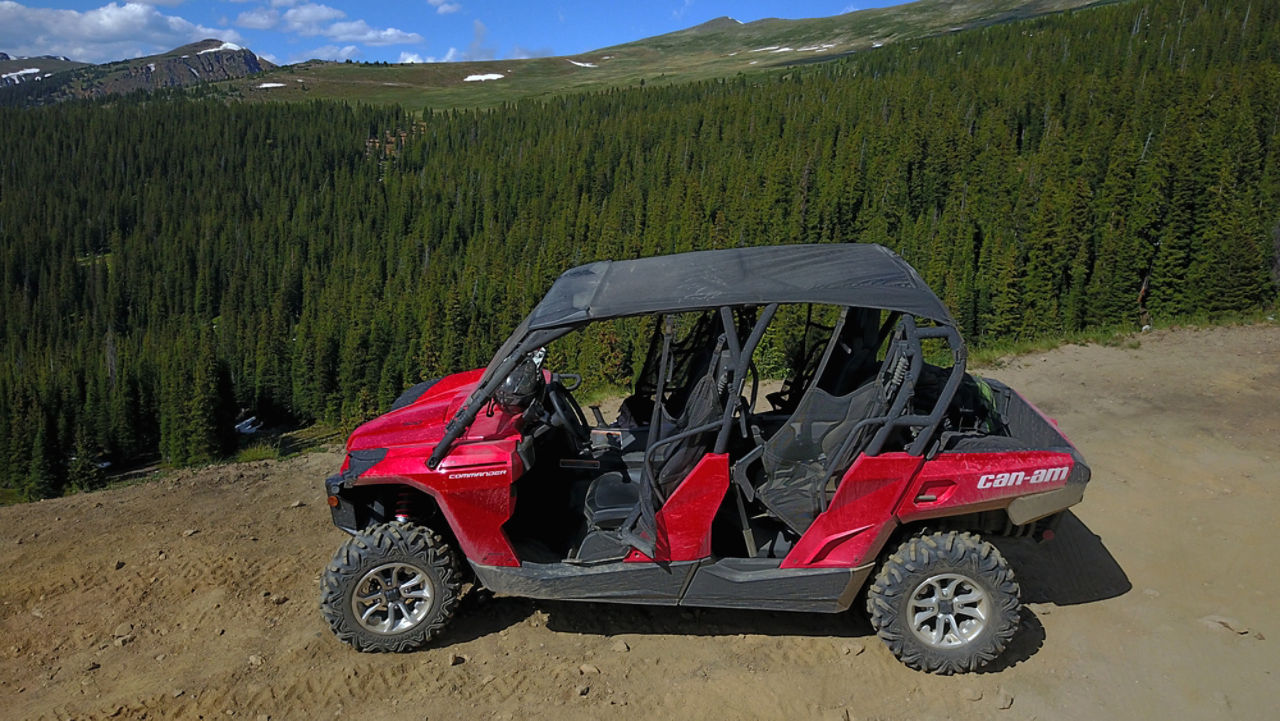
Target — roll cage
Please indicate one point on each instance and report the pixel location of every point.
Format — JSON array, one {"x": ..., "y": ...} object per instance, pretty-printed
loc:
[{"x": 825, "y": 422}]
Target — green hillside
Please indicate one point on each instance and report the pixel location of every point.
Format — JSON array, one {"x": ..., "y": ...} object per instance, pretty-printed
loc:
[
  {"x": 716, "y": 49},
  {"x": 165, "y": 266}
]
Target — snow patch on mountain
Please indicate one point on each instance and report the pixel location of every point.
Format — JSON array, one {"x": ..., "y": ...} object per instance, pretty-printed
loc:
[
  {"x": 224, "y": 46},
  {"x": 16, "y": 75}
]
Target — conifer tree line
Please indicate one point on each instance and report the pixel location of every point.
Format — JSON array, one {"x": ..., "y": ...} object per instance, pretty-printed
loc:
[{"x": 171, "y": 265}]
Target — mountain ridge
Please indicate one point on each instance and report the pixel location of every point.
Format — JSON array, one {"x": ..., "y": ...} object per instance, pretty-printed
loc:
[
  {"x": 204, "y": 61},
  {"x": 718, "y": 48}
]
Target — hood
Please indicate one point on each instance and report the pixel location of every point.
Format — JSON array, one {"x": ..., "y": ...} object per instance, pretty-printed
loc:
[{"x": 420, "y": 422}]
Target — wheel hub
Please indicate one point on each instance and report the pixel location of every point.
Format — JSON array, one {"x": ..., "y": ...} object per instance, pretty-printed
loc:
[
  {"x": 948, "y": 610},
  {"x": 392, "y": 598}
]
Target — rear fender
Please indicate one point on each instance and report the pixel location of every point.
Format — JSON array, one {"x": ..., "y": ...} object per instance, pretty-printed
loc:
[{"x": 962, "y": 483}]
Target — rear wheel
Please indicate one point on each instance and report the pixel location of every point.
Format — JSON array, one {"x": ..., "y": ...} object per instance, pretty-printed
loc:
[
  {"x": 945, "y": 603},
  {"x": 391, "y": 587}
]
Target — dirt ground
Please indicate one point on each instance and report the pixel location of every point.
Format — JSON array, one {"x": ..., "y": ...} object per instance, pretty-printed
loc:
[{"x": 196, "y": 596}]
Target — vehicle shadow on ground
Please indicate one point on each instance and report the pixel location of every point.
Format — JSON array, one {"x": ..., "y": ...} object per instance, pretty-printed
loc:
[
  {"x": 1075, "y": 567},
  {"x": 1025, "y": 643},
  {"x": 481, "y": 614},
  {"x": 610, "y": 619}
]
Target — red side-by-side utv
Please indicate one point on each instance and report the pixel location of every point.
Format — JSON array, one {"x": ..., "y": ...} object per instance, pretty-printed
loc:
[{"x": 870, "y": 474}]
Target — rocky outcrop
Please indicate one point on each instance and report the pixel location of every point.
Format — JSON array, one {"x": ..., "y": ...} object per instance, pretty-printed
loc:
[{"x": 201, "y": 62}]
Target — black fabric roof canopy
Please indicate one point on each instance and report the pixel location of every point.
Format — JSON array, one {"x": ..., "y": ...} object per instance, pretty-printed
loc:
[{"x": 839, "y": 274}]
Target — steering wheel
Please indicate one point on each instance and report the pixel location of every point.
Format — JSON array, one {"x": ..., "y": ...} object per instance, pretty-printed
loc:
[{"x": 566, "y": 414}]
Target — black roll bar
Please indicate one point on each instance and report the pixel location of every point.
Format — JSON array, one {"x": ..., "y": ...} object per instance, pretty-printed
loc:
[
  {"x": 893, "y": 418},
  {"x": 742, "y": 360}
]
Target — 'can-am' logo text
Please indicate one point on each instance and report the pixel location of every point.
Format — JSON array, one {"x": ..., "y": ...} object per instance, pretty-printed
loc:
[{"x": 1016, "y": 478}]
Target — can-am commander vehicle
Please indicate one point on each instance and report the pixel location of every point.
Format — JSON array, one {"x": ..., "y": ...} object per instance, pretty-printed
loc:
[{"x": 871, "y": 473}]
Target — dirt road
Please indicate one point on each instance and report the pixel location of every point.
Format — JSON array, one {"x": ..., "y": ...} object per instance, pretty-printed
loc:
[{"x": 195, "y": 596}]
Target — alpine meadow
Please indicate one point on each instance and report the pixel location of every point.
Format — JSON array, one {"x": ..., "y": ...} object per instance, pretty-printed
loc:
[{"x": 173, "y": 262}]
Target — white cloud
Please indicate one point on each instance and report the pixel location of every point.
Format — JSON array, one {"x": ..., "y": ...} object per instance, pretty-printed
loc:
[
  {"x": 258, "y": 19},
  {"x": 110, "y": 32},
  {"x": 444, "y": 7},
  {"x": 308, "y": 19},
  {"x": 358, "y": 31},
  {"x": 680, "y": 11},
  {"x": 314, "y": 19},
  {"x": 408, "y": 57}
]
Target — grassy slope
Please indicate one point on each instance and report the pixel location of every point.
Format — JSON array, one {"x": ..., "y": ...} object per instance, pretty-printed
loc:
[{"x": 718, "y": 48}]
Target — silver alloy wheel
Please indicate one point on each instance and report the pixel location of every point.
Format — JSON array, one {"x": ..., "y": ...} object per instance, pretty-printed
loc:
[
  {"x": 948, "y": 610},
  {"x": 392, "y": 598}
]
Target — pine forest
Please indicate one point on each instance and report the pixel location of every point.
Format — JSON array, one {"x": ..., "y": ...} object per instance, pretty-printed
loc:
[{"x": 171, "y": 263}]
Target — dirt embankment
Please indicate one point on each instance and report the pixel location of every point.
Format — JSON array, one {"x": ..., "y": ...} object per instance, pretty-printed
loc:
[{"x": 195, "y": 597}]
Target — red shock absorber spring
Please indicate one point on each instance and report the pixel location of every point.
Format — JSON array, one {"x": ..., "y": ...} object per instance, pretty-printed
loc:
[{"x": 404, "y": 504}]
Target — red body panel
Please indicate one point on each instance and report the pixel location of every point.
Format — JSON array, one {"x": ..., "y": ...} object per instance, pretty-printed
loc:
[
  {"x": 878, "y": 493},
  {"x": 420, "y": 422},
  {"x": 969, "y": 482},
  {"x": 684, "y": 521},
  {"x": 472, "y": 485},
  {"x": 858, "y": 521}
]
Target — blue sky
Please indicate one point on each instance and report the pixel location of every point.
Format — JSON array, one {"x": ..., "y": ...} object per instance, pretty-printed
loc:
[{"x": 286, "y": 31}]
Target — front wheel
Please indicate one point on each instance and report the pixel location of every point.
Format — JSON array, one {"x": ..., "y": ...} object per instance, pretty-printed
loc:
[
  {"x": 391, "y": 587},
  {"x": 945, "y": 603}
]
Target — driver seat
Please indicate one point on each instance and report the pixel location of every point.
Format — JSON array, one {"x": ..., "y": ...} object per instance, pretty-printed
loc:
[{"x": 612, "y": 496}]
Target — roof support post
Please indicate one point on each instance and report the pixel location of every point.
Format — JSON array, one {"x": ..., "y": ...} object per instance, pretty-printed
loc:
[{"x": 742, "y": 363}]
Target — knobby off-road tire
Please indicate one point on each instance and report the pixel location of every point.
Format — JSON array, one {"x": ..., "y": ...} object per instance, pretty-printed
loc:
[
  {"x": 391, "y": 587},
  {"x": 945, "y": 603}
]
